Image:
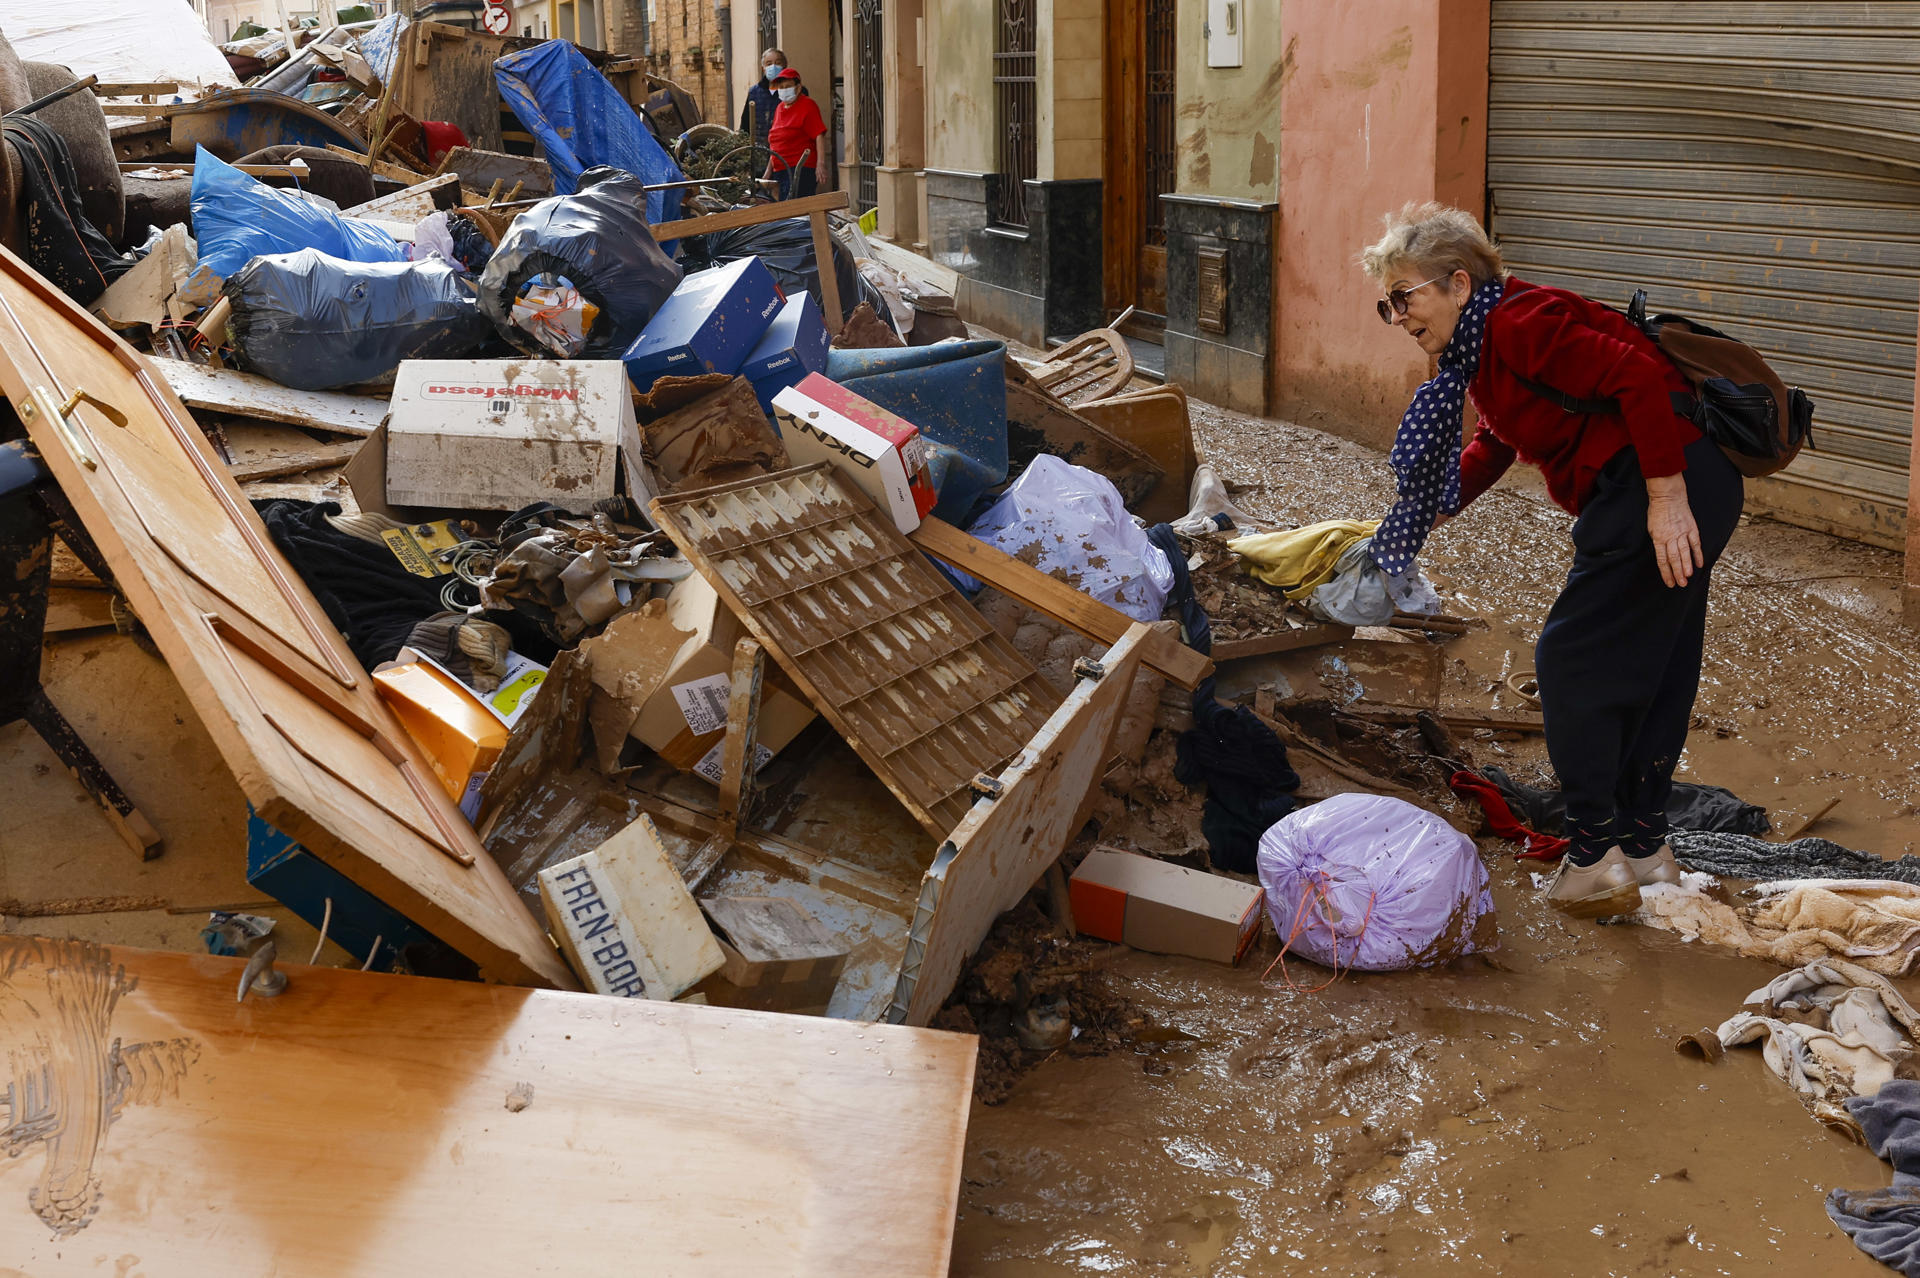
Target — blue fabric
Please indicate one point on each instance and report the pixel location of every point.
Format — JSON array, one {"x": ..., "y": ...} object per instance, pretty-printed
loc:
[
  {"x": 956, "y": 393},
  {"x": 582, "y": 122},
  {"x": 1426, "y": 449},
  {"x": 377, "y": 44},
  {"x": 1885, "y": 1223}
]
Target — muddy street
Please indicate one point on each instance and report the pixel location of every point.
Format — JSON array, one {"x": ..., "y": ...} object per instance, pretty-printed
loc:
[{"x": 1520, "y": 1113}]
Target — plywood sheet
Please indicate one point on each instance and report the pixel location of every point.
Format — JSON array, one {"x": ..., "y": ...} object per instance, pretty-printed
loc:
[
  {"x": 1000, "y": 851},
  {"x": 924, "y": 690},
  {"x": 361, "y": 1123},
  {"x": 314, "y": 750},
  {"x": 247, "y": 395}
]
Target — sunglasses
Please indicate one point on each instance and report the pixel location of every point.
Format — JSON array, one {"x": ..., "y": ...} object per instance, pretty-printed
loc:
[{"x": 1395, "y": 303}]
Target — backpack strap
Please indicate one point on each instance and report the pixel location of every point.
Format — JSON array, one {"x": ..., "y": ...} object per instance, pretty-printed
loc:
[{"x": 1567, "y": 403}]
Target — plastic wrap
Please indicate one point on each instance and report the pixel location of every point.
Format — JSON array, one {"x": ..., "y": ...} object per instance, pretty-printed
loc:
[
  {"x": 236, "y": 219},
  {"x": 1071, "y": 523},
  {"x": 1362, "y": 593},
  {"x": 594, "y": 240},
  {"x": 786, "y": 247},
  {"x": 121, "y": 41},
  {"x": 1373, "y": 883},
  {"x": 582, "y": 122},
  {"x": 314, "y": 322}
]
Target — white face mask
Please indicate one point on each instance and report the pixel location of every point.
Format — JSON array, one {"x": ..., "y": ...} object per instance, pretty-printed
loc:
[
  {"x": 774, "y": 70},
  {"x": 787, "y": 94}
]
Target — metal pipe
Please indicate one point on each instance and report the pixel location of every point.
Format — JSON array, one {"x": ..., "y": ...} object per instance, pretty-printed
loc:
[{"x": 55, "y": 96}]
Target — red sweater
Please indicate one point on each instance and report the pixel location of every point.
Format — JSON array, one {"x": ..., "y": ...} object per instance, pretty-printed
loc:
[{"x": 1587, "y": 351}]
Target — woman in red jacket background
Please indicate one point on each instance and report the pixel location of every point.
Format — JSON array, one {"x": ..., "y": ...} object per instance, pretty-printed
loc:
[{"x": 1618, "y": 660}]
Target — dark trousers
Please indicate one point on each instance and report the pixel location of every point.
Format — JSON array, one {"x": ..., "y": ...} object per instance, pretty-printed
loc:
[
  {"x": 1619, "y": 659},
  {"x": 795, "y": 183}
]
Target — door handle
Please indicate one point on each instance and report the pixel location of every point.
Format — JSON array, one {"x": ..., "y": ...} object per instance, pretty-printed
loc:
[{"x": 41, "y": 401}]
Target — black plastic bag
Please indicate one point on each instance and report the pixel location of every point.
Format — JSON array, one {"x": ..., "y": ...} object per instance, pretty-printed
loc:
[
  {"x": 315, "y": 322},
  {"x": 786, "y": 247},
  {"x": 598, "y": 240}
]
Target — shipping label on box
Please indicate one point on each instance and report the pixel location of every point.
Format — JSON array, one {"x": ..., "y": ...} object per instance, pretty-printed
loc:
[
  {"x": 710, "y": 324},
  {"x": 501, "y": 434},
  {"x": 883, "y": 454}
]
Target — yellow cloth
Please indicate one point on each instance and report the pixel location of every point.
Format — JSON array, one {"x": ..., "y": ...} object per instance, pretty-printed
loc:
[{"x": 1301, "y": 560}]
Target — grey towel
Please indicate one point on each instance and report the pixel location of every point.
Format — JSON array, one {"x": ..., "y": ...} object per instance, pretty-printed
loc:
[{"x": 1885, "y": 1223}]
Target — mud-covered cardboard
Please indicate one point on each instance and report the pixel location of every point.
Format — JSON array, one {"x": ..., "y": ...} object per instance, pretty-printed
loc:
[
  {"x": 684, "y": 722},
  {"x": 1162, "y": 908},
  {"x": 881, "y": 452},
  {"x": 501, "y": 434}
]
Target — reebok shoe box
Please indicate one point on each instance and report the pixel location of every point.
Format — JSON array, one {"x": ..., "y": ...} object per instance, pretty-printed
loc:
[
  {"x": 1162, "y": 908},
  {"x": 794, "y": 345},
  {"x": 881, "y": 453},
  {"x": 709, "y": 324}
]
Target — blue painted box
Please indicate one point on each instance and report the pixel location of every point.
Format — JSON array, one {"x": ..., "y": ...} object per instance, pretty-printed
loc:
[
  {"x": 708, "y": 325},
  {"x": 794, "y": 345},
  {"x": 304, "y": 883}
]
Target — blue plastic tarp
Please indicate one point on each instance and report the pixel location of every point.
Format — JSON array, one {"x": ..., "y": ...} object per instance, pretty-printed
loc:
[
  {"x": 237, "y": 218},
  {"x": 956, "y": 394},
  {"x": 582, "y": 122}
]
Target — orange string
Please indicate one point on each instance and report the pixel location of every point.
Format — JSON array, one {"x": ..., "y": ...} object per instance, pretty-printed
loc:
[{"x": 1317, "y": 890}]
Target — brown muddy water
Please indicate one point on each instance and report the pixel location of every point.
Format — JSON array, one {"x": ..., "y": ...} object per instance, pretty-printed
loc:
[{"x": 1519, "y": 1114}]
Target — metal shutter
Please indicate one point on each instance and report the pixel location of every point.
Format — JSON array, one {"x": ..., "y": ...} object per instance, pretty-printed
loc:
[{"x": 1756, "y": 165}]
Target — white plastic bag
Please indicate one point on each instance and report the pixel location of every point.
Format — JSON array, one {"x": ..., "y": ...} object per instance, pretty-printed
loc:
[
  {"x": 1071, "y": 523},
  {"x": 1362, "y": 593},
  {"x": 1368, "y": 882}
]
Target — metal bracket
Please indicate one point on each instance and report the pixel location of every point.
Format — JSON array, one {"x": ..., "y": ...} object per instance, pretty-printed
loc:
[
  {"x": 1089, "y": 669},
  {"x": 986, "y": 787}
]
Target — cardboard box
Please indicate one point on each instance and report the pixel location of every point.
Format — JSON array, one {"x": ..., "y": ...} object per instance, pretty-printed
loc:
[
  {"x": 624, "y": 918},
  {"x": 684, "y": 721},
  {"x": 500, "y": 434},
  {"x": 794, "y": 345},
  {"x": 709, "y": 325},
  {"x": 462, "y": 738},
  {"x": 778, "y": 956},
  {"x": 882, "y": 453},
  {"x": 1162, "y": 908}
]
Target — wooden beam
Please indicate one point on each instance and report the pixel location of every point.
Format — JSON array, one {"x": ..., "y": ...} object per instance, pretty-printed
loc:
[
  {"x": 135, "y": 88},
  {"x": 831, "y": 308},
  {"x": 1523, "y": 722},
  {"x": 757, "y": 215},
  {"x": 1281, "y": 641},
  {"x": 249, "y": 395},
  {"x": 1074, "y": 609}
]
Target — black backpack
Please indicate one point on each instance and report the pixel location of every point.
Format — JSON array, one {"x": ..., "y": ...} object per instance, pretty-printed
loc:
[{"x": 1738, "y": 401}]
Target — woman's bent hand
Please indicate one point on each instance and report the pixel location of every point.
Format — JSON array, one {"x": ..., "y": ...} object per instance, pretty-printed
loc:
[{"x": 1676, "y": 538}]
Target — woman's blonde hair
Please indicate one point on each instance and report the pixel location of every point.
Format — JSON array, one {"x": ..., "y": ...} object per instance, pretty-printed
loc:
[{"x": 1433, "y": 239}]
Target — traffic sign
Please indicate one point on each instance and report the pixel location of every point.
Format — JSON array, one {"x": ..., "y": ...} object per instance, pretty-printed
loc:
[{"x": 499, "y": 19}]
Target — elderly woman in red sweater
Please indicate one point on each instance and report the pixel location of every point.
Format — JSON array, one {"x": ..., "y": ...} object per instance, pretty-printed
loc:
[{"x": 1618, "y": 660}]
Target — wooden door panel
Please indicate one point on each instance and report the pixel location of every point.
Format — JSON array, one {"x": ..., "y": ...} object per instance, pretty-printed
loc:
[
  {"x": 314, "y": 749},
  {"x": 362, "y": 1123}
]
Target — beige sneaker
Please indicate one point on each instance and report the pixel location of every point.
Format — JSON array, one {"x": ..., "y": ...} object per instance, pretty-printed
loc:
[
  {"x": 1608, "y": 886},
  {"x": 1655, "y": 867}
]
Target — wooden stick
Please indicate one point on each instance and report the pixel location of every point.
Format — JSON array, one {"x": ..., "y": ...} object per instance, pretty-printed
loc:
[
  {"x": 1807, "y": 824},
  {"x": 1281, "y": 641},
  {"x": 829, "y": 278}
]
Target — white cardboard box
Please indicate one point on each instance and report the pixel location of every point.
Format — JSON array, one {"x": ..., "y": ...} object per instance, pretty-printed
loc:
[
  {"x": 882, "y": 453},
  {"x": 500, "y": 434}
]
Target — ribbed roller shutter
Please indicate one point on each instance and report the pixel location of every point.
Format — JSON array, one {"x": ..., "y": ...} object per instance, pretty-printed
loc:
[{"x": 1756, "y": 165}]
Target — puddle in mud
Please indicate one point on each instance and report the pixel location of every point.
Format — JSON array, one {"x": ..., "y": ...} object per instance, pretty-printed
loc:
[{"x": 1525, "y": 1113}]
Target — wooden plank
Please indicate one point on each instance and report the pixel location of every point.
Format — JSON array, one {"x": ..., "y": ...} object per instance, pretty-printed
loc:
[
  {"x": 923, "y": 689},
  {"x": 756, "y": 215},
  {"x": 920, "y": 270},
  {"x": 831, "y": 309},
  {"x": 150, "y": 110},
  {"x": 407, "y": 206},
  {"x": 1078, "y": 611},
  {"x": 1038, "y": 422},
  {"x": 292, "y": 461},
  {"x": 381, "y": 168},
  {"x": 314, "y": 750},
  {"x": 481, "y": 169},
  {"x": 1521, "y": 722},
  {"x": 70, "y": 609},
  {"x": 351, "y": 1125},
  {"x": 443, "y": 72},
  {"x": 1005, "y": 844},
  {"x": 1281, "y": 641},
  {"x": 134, "y": 88},
  {"x": 248, "y": 395}
]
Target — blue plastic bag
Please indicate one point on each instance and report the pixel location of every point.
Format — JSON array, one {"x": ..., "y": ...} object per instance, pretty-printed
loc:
[
  {"x": 582, "y": 122},
  {"x": 236, "y": 219}
]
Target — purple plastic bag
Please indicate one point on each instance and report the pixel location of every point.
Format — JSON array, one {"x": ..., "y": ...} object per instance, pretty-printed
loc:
[{"x": 1361, "y": 881}]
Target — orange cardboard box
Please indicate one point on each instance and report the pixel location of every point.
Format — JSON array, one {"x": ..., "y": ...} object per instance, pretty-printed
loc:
[
  {"x": 461, "y": 737},
  {"x": 1162, "y": 908}
]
